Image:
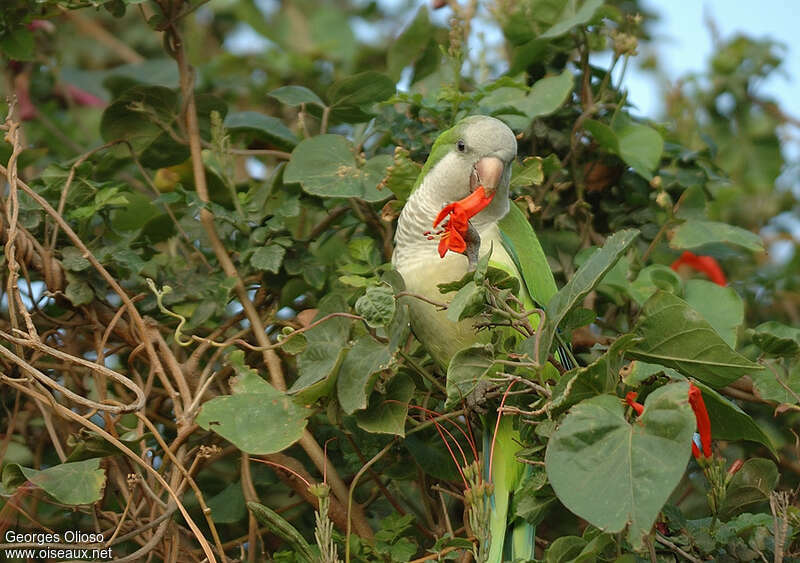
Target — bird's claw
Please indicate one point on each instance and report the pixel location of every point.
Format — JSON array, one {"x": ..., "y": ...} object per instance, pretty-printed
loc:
[{"x": 473, "y": 240}]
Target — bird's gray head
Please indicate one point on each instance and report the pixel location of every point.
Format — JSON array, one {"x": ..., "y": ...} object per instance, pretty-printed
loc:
[{"x": 478, "y": 150}]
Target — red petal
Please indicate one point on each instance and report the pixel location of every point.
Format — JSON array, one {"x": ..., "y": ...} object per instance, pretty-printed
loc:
[
  {"x": 475, "y": 202},
  {"x": 446, "y": 210},
  {"x": 701, "y": 414},
  {"x": 460, "y": 213},
  {"x": 630, "y": 398},
  {"x": 443, "y": 245},
  {"x": 704, "y": 264}
]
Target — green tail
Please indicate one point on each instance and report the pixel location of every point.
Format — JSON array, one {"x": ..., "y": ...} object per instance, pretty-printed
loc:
[{"x": 507, "y": 474}]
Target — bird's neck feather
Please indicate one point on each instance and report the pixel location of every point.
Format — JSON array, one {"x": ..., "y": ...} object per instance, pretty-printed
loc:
[{"x": 446, "y": 182}]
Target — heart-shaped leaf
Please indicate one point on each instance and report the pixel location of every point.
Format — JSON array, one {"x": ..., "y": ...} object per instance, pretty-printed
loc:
[
  {"x": 326, "y": 166},
  {"x": 257, "y": 418},
  {"x": 614, "y": 473}
]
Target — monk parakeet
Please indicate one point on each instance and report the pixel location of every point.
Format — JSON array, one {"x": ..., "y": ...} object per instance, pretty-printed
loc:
[{"x": 464, "y": 189}]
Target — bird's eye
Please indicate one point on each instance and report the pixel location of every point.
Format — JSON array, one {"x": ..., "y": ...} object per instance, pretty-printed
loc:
[{"x": 461, "y": 146}]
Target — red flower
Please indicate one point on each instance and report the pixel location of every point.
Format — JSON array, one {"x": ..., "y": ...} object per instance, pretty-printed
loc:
[
  {"x": 630, "y": 399},
  {"x": 704, "y": 264},
  {"x": 459, "y": 212},
  {"x": 703, "y": 421}
]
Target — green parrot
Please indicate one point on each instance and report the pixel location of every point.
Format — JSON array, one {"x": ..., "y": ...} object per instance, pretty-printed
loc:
[{"x": 471, "y": 164}]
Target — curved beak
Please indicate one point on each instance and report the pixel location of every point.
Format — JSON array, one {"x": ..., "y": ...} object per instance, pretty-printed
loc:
[{"x": 487, "y": 173}]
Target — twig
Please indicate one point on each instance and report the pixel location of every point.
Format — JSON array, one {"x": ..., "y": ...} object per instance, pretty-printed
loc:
[
  {"x": 665, "y": 542},
  {"x": 112, "y": 282},
  {"x": 198, "y": 493},
  {"x": 174, "y": 43},
  {"x": 400, "y": 294},
  {"x": 67, "y": 413},
  {"x": 353, "y": 485},
  {"x": 102, "y": 35},
  {"x": 49, "y": 382}
]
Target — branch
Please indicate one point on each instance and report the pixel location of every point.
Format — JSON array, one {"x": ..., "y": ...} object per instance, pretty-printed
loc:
[{"x": 174, "y": 42}]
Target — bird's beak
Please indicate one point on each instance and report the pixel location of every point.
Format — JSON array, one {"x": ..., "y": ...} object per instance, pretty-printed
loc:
[{"x": 487, "y": 173}]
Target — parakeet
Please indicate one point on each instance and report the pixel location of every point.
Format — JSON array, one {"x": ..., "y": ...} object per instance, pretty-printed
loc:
[{"x": 464, "y": 186}]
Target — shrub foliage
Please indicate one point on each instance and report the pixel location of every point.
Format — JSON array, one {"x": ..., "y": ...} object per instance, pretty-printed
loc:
[{"x": 203, "y": 354}]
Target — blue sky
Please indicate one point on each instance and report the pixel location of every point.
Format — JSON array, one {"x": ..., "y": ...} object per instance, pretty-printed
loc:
[
  {"x": 682, "y": 40},
  {"x": 683, "y": 43}
]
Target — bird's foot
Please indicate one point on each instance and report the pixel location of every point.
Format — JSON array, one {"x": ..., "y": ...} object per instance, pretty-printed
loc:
[{"x": 473, "y": 240}]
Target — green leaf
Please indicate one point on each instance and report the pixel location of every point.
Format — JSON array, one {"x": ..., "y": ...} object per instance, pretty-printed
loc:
[
  {"x": 227, "y": 506},
  {"x": 599, "y": 377},
  {"x": 776, "y": 384},
  {"x": 326, "y": 166},
  {"x": 431, "y": 455},
  {"x": 296, "y": 95},
  {"x": 564, "y": 549},
  {"x": 326, "y": 347},
  {"x": 637, "y": 372},
  {"x": 73, "y": 259},
  {"x": 571, "y": 17},
  {"x": 260, "y": 421},
  {"x": 79, "y": 292},
  {"x": 377, "y": 306},
  {"x": 584, "y": 280},
  {"x": 749, "y": 487},
  {"x": 362, "y": 249},
  {"x": 73, "y": 483},
  {"x": 351, "y": 97},
  {"x": 262, "y": 126},
  {"x": 640, "y": 147},
  {"x": 410, "y": 44},
  {"x": 318, "y": 365},
  {"x": 18, "y": 44},
  {"x": 729, "y": 422},
  {"x": 284, "y": 530},
  {"x": 87, "y": 444},
  {"x": 694, "y": 234},
  {"x": 401, "y": 174},
  {"x": 547, "y": 95},
  {"x": 136, "y": 213},
  {"x": 152, "y": 72},
  {"x": 358, "y": 372},
  {"x": 268, "y": 258},
  {"x": 467, "y": 302},
  {"x": 651, "y": 279},
  {"x": 467, "y": 368},
  {"x": 777, "y": 339},
  {"x": 374, "y": 171},
  {"x": 613, "y": 473},
  {"x": 676, "y": 336},
  {"x": 529, "y": 173},
  {"x": 387, "y": 412},
  {"x": 135, "y": 117},
  {"x": 720, "y": 306},
  {"x": 603, "y": 134}
]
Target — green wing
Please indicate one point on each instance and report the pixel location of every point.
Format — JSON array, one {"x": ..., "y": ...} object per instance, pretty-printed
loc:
[
  {"x": 523, "y": 246},
  {"x": 525, "y": 250}
]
